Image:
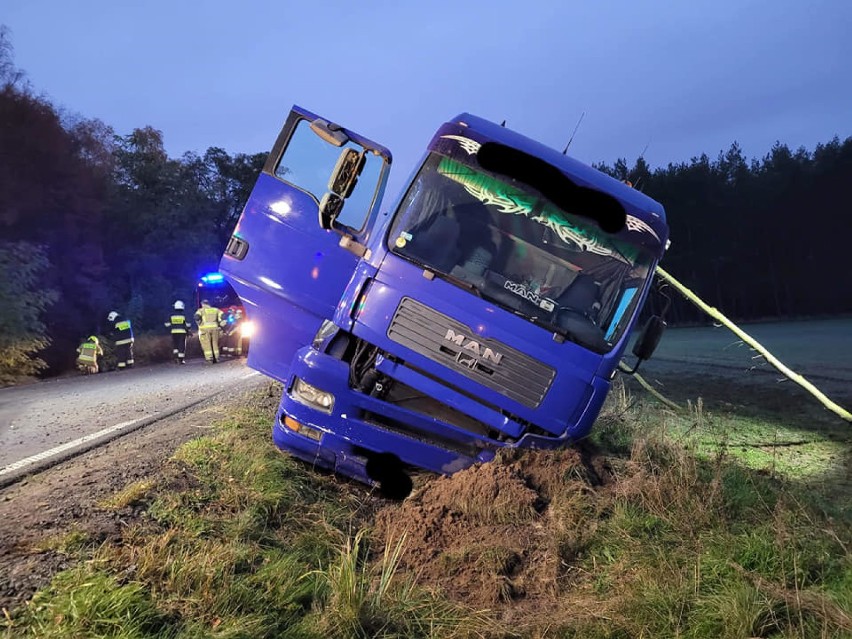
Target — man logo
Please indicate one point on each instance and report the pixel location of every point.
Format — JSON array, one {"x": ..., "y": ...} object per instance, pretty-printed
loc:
[
  {"x": 465, "y": 360},
  {"x": 471, "y": 348}
]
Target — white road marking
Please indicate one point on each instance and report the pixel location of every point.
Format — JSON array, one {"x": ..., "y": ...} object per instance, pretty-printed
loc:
[
  {"x": 47, "y": 454},
  {"x": 23, "y": 463}
]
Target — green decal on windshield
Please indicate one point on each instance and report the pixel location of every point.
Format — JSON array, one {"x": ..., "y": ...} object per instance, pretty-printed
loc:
[
  {"x": 488, "y": 190},
  {"x": 506, "y": 199}
]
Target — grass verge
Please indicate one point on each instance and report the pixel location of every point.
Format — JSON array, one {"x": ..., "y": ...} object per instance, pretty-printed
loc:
[
  {"x": 694, "y": 537},
  {"x": 238, "y": 540},
  {"x": 664, "y": 532}
]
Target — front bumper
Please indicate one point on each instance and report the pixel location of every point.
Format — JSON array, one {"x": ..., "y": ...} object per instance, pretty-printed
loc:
[{"x": 361, "y": 427}]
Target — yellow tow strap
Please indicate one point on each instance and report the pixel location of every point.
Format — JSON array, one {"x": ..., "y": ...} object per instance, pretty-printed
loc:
[{"x": 748, "y": 339}]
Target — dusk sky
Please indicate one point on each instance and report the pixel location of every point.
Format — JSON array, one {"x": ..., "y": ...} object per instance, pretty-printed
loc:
[{"x": 681, "y": 77}]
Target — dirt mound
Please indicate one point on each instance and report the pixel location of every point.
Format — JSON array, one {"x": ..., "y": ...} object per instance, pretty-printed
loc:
[{"x": 495, "y": 535}]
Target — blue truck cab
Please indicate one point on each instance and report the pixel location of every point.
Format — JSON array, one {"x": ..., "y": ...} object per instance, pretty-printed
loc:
[{"x": 489, "y": 306}]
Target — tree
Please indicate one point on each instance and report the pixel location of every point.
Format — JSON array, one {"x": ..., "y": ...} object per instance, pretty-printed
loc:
[
  {"x": 22, "y": 301},
  {"x": 755, "y": 239},
  {"x": 120, "y": 223},
  {"x": 51, "y": 194},
  {"x": 10, "y": 75},
  {"x": 168, "y": 220},
  {"x": 229, "y": 180}
]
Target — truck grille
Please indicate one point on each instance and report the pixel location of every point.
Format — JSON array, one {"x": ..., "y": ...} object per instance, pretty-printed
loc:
[{"x": 487, "y": 361}]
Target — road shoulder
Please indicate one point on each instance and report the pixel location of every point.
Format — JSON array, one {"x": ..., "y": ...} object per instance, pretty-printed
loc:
[{"x": 65, "y": 497}]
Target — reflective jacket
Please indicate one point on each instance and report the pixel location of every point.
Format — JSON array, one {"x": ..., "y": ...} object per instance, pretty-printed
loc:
[
  {"x": 233, "y": 319},
  {"x": 88, "y": 353},
  {"x": 208, "y": 318},
  {"x": 121, "y": 332},
  {"x": 178, "y": 324}
]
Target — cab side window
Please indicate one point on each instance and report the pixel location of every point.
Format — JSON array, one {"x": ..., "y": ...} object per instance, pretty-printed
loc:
[{"x": 307, "y": 163}]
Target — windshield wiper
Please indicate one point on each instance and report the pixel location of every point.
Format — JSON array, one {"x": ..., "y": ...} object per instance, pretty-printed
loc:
[
  {"x": 452, "y": 279},
  {"x": 564, "y": 333},
  {"x": 431, "y": 272},
  {"x": 540, "y": 322}
]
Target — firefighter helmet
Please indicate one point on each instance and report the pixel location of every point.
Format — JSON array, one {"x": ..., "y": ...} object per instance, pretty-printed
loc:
[
  {"x": 112, "y": 315},
  {"x": 178, "y": 305},
  {"x": 93, "y": 338}
]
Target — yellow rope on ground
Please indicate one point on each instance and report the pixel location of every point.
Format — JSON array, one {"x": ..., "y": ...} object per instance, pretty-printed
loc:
[{"x": 748, "y": 339}]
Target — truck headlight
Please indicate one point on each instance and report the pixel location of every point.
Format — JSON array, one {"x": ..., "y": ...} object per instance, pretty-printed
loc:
[
  {"x": 312, "y": 396},
  {"x": 247, "y": 329}
]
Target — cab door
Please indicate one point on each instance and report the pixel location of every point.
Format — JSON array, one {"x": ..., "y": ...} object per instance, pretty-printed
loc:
[{"x": 289, "y": 271}]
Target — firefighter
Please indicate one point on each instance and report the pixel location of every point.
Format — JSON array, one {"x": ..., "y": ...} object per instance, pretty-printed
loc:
[
  {"x": 87, "y": 355},
  {"x": 180, "y": 331},
  {"x": 234, "y": 332},
  {"x": 237, "y": 350},
  {"x": 210, "y": 322},
  {"x": 121, "y": 334},
  {"x": 229, "y": 332}
]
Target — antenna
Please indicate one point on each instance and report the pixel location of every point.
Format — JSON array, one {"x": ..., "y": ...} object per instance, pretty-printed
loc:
[
  {"x": 641, "y": 157},
  {"x": 565, "y": 150}
]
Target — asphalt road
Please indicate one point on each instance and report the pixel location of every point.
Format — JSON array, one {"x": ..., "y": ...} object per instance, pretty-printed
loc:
[{"x": 47, "y": 421}]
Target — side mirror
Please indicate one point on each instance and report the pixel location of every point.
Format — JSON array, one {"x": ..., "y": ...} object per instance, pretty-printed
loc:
[
  {"x": 343, "y": 179},
  {"x": 650, "y": 338},
  {"x": 345, "y": 175},
  {"x": 329, "y": 208}
]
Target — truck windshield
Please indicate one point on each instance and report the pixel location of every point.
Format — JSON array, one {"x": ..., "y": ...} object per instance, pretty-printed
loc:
[{"x": 514, "y": 247}]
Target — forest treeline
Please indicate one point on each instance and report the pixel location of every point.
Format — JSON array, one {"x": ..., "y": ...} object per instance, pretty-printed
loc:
[
  {"x": 92, "y": 221},
  {"x": 758, "y": 239}
]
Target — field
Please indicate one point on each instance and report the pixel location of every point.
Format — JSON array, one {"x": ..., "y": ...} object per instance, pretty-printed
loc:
[{"x": 821, "y": 349}]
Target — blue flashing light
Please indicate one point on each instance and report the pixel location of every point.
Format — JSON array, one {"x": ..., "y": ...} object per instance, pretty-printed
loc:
[{"x": 213, "y": 278}]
